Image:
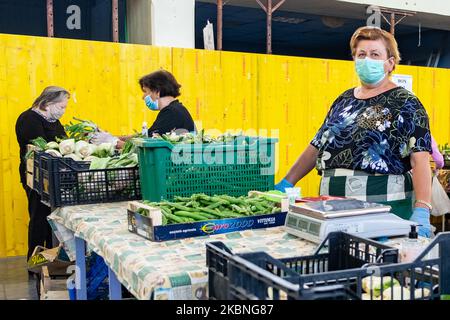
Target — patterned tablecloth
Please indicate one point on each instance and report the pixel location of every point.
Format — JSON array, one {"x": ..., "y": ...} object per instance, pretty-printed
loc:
[{"x": 161, "y": 270}]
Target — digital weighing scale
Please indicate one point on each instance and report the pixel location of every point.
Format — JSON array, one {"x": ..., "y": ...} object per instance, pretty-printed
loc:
[{"x": 313, "y": 221}]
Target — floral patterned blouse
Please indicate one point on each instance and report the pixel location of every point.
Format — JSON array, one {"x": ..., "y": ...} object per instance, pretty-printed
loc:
[{"x": 375, "y": 135}]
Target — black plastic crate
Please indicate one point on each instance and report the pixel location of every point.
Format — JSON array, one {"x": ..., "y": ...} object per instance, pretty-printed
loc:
[
  {"x": 217, "y": 257},
  {"x": 250, "y": 275},
  {"x": 66, "y": 182},
  {"x": 260, "y": 276}
]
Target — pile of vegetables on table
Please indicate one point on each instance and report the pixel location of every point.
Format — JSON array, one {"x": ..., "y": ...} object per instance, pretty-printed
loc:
[
  {"x": 200, "y": 137},
  {"x": 78, "y": 148},
  {"x": 200, "y": 207}
]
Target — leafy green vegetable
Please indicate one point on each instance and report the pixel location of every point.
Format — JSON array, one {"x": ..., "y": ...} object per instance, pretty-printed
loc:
[
  {"x": 99, "y": 163},
  {"x": 39, "y": 142},
  {"x": 81, "y": 130},
  {"x": 130, "y": 146},
  {"x": 200, "y": 137},
  {"x": 104, "y": 150}
]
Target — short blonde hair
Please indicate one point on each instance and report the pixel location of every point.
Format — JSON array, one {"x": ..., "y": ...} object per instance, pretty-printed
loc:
[{"x": 374, "y": 33}]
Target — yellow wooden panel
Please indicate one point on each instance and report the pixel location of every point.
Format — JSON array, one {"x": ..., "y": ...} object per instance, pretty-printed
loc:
[{"x": 277, "y": 96}]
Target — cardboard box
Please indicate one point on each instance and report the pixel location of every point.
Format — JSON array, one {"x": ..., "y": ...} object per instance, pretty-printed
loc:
[
  {"x": 53, "y": 287},
  {"x": 30, "y": 170},
  {"x": 55, "y": 258},
  {"x": 152, "y": 229},
  {"x": 30, "y": 180}
]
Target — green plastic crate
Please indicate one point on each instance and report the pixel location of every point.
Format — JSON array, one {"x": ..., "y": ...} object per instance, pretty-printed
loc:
[{"x": 168, "y": 170}]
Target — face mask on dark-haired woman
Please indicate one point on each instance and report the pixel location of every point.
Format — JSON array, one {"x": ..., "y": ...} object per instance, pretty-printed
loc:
[{"x": 152, "y": 105}]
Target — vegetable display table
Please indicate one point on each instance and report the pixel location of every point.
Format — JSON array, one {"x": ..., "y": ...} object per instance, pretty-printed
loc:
[{"x": 155, "y": 270}]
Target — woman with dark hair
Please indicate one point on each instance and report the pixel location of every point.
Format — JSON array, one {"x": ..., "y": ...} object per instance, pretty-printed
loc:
[
  {"x": 41, "y": 120},
  {"x": 161, "y": 90}
]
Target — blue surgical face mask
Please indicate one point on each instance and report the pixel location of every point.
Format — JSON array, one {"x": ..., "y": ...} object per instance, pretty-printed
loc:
[
  {"x": 152, "y": 105},
  {"x": 370, "y": 71}
]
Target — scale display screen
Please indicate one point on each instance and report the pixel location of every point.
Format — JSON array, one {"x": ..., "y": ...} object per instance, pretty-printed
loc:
[
  {"x": 304, "y": 225},
  {"x": 314, "y": 228}
]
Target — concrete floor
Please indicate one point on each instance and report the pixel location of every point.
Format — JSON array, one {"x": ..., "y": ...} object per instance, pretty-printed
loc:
[{"x": 14, "y": 281}]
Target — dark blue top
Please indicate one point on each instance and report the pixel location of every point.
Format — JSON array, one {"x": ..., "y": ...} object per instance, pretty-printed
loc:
[{"x": 376, "y": 135}]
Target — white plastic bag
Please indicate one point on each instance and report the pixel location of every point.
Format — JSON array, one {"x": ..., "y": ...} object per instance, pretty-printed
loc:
[{"x": 439, "y": 199}]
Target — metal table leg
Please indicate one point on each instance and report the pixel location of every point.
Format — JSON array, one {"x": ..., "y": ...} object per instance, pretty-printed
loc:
[
  {"x": 80, "y": 275},
  {"x": 115, "y": 287}
]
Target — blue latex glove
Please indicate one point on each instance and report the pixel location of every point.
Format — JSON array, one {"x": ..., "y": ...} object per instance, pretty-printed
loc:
[
  {"x": 282, "y": 185},
  {"x": 422, "y": 217}
]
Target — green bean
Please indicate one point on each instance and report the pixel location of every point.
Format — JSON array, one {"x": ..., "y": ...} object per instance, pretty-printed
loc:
[
  {"x": 238, "y": 208},
  {"x": 229, "y": 199},
  {"x": 178, "y": 206},
  {"x": 217, "y": 204},
  {"x": 207, "y": 210},
  {"x": 165, "y": 209},
  {"x": 192, "y": 215},
  {"x": 276, "y": 209},
  {"x": 182, "y": 199},
  {"x": 151, "y": 204},
  {"x": 175, "y": 218},
  {"x": 207, "y": 215},
  {"x": 218, "y": 199},
  {"x": 143, "y": 212},
  {"x": 258, "y": 213},
  {"x": 230, "y": 214},
  {"x": 259, "y": 206}
]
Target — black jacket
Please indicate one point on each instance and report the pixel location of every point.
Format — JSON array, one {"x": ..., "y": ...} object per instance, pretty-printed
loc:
[
  {"x": 30, "y": 125},
  {"x": 173, "y": 117}
]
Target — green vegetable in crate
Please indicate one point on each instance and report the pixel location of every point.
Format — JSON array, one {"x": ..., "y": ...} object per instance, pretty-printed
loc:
[
  {"x": 123, "y": 161},
  {"x": 200, "y": 137},
  {"x": 377, "y": 284},
  {"x": 99, "y": 163},
  {"x": 84, "y": 149},
  {"x": 201, "y": 207},
  {"x": 90, "y": 158},
  {"x": 195, "y": 216},
  {"x": 54, "y": 153},
  {"x": 40, "y": 143},
  {"x": 52, "y": 145},
  {"x": 104, "y": 150},
  {"x": 67, "y": 147},
  {"x": 130, "y": 146}
]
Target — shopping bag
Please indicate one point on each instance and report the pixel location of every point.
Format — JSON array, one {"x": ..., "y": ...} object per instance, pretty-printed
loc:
[{"x": 439, "y": 199}]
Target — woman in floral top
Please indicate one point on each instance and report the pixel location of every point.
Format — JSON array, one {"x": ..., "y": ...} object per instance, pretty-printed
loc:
[{"x": 372, "y": 137}]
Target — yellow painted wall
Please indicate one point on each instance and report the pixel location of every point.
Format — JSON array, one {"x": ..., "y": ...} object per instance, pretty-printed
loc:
[{"x": 225, "y": 90}]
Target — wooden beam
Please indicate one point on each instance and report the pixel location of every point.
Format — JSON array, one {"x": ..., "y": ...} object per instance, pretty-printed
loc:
[
  {"x": 115, "y": 20},
  {"x": 269, "y": 10},
  {"x": 392, "y": 23},
  {"x": 219, "y": 24},
  {"x": 50, "y": 28}
]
